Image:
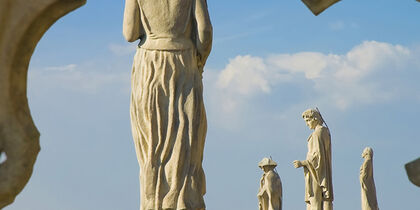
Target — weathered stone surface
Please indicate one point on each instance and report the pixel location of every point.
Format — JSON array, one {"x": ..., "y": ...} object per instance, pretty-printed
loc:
[
  {"x": 22, "y": 24},
  {"x": 413, "y": 171},
  {"x": 317, "y": 166},
  {"x": 367, "y": 183},
  {"x": 168, "y": 118},
  {"x": 318, "y": 6},
  {"x": 270, "y": 194}
]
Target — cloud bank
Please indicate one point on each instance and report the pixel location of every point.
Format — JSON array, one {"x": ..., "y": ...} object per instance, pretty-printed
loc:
[
  {"x": 108, "y": 73},
  {"x": 82, "y": 79},
  {"x": 341, "y": 80}
]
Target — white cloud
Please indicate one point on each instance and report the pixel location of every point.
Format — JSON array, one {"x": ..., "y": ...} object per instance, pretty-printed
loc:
[
  {"x": 69, "y": 67},
  {"x": 109, "y": 72},
  {"x": 123, "y": 49},
  {"x": 253, "y": 70},
  {"x": 340, "y": 25},
  {"x": 241, "y": 35},
  {"x": 79, "y": 78},
  {"x": 341, "y": 80},
  {"x": 337, "y": 25},
  {"x": 310, "y": 63}
]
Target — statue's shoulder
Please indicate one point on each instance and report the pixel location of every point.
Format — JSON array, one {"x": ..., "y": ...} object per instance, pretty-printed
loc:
[
  {"x": 321, "y": 129},
  {"x": 273, "y": 180},
  {"x": 272, "y": 175}
]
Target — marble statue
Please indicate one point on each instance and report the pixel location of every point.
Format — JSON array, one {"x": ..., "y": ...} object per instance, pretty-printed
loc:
[
  {"x": 318, "y": 6},
  {"x": 270, "y": 192},
  {"x": 413, "y": 171},
  {"x": 23, "y": 23},
  {"x": 317, "y": 166},
  {"x": 367, "y": 183},
  {"x": 167, "y": 111}
]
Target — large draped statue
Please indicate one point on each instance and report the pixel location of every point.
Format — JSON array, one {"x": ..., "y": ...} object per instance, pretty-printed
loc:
[
  {"x": 167, "y": 111},
  {"x": 367, "y": 183},
  {"x": 317, "y": 166},
  {"x": 270, "y": 195}
]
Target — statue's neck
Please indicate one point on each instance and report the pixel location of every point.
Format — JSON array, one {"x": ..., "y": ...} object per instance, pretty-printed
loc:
[{"x": 368, "y": 158}]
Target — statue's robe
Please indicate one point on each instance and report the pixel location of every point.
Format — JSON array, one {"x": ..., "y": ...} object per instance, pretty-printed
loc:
[
  {"x": 270, "y": 193},
  {"x": 367, "y": 184},
  {"x": 167, "y": 110},
  {"x": 317, "y": 170}
]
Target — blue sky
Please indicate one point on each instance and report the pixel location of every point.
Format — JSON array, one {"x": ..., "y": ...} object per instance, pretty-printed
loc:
[{"x": 271, "y": 60}]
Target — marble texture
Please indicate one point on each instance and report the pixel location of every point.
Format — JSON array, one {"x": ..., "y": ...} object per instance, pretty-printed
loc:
[
  {"x": 367, "y": 183},
  {"x": 270, "y": 194},
  {"x": 23, "y": 23},
  {"x": 317, "y": 165},
  {"x": 168, "y": 118}
]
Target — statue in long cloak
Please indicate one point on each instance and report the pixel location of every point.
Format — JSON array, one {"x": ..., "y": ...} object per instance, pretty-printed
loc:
[
  {"x": 167, "y": 111},
  {"x": 270, "y": 195},
  {"x": 317, "y": 166},
  {"x": 367, "y": 183}
]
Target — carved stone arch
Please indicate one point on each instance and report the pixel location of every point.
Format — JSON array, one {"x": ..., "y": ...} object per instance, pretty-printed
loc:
[{"x": 22, "y": 24}]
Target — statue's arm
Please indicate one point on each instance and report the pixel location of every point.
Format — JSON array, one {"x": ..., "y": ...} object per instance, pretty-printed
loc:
[
  {"x": 262, "y": 188},
  {"x": 363, "y": 176},
  {"x": 203, "y": 31},
  {"x": 364, "y": 171},
  {"x": 311, "y": 163},
  {"x": 314, "y": 158},
  {"x": 131, "y": 22}
]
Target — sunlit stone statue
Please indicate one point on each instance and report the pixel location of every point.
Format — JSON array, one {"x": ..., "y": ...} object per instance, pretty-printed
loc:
[
  {"x": 368, "y": 190},
  {"x": 167, "y": 111},
  {"x": 317, "y": 166},
  {"x": 270, "y": 192}
]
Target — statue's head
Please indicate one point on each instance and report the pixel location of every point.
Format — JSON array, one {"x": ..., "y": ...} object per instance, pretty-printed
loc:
[
  {"x": 267, "y": 164},
  {"x": 312, "y": 118},
  {"x": 367, "y": 153}
]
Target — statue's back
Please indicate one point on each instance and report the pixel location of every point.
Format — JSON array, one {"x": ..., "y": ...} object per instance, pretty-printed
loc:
[
  {"x": 166, "y": 18},
  {"x": 167, "y": 109}
]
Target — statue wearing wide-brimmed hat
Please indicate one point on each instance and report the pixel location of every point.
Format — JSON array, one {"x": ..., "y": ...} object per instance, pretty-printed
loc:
[{"x": 270, "y": 192}]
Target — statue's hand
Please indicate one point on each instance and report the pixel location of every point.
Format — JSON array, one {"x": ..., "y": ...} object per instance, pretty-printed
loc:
[
  {"x": 297, "y": 164},
  {"x": 325, "y": 193}
]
